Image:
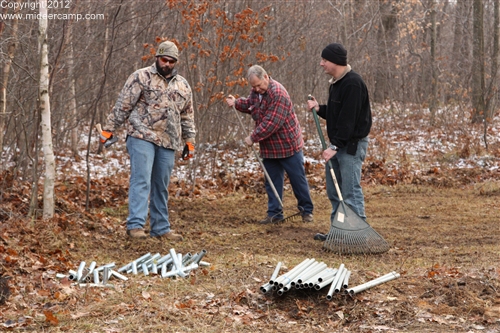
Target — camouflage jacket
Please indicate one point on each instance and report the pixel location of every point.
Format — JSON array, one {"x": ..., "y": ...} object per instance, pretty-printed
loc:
[{"x": 157, "y": 111}]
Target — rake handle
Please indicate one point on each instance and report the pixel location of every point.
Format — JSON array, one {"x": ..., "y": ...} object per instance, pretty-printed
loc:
[
  {"x": 323, "y": 144},
  {"x": 269, "y": 180}
]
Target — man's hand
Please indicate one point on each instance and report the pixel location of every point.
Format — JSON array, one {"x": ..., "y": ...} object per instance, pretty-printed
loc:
[
  {"x": 188, "y": 151},
  {"x": 312, "y": 103},
  {"x": 230, "y": 100},
  {"x": 105, "y": 137},
  {"x": 328, "y": 154},
  {"x": 248, "y": 141}
]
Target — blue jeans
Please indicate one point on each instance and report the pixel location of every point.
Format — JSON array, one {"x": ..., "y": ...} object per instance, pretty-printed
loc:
[
  {"x": 150, "y": 170},
  {"x": 294, "y": 167},
  {"x": 348, "y": 173}
]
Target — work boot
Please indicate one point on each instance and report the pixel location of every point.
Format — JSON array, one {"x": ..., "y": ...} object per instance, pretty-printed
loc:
[
  {"x": 137, "y": 233},
  {"x": 171, "y": 236},
  {"x": 320, "y": 237},
  {"x": 307, "y": 218},
  {"x": 270, "y": 219}
]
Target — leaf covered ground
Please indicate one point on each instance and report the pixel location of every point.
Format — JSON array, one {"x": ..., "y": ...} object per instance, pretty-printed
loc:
[
  {"x": 444, "y": 243},
  {"x": 431, "y": 191}
]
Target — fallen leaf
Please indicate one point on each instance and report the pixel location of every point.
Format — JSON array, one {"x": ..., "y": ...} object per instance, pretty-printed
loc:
[
  {"x": 50, "y": 318},
  {"x": 340, "y": 314},
  {"x": 79, "y": 315},
  {"x": 146, "y": 295}
]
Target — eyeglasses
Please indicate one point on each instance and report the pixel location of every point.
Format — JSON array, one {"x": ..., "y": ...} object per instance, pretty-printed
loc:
[{"x": 167, "y": 60}]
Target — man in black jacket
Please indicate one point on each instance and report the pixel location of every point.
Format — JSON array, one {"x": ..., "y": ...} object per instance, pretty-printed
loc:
[{"x": 348, "y": 120}]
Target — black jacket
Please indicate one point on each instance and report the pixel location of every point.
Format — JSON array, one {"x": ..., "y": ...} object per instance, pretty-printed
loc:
[{"x": 348, "y": 114}]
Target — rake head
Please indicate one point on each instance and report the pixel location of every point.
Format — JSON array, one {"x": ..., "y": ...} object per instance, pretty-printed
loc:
[
  {"x": 350, "y": 234},
  {"x": 292, "y": 217}
]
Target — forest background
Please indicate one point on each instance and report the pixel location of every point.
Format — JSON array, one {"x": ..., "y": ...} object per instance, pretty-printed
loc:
[
  {"x": 431, "y": 68},
  {"x": 437, "y": 57}
]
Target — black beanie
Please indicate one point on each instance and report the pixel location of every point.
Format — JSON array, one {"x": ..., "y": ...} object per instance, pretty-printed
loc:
[{"x": 335, "y": 53}]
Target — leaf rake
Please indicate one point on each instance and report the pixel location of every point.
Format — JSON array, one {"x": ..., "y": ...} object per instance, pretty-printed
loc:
[{"x": 349, "y": 233}]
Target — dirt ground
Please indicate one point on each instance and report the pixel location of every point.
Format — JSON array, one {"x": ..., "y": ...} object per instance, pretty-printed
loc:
[{"x": 444, "y": 242}]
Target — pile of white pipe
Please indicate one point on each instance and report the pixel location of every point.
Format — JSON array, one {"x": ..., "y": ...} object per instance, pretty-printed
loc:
[
  {"x": 93, "y": 276},
  {"x": 171, "y": 265},
  {"x": 168, "y": 266},
  {"x": 317, "y": 275}
]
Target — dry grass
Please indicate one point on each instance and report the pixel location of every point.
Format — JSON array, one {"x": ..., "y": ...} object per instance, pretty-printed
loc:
[{"x": 444, "y": 242}]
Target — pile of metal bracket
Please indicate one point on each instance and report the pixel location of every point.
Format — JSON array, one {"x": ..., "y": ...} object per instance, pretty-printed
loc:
[
  {"x": 171, "y": 265},
  {"x": 317, "y": 275}
]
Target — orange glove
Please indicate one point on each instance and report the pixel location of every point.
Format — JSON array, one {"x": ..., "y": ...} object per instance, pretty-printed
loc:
[
  {"x": 188, "y": 151},
  {"x": 105, "y": 137}
]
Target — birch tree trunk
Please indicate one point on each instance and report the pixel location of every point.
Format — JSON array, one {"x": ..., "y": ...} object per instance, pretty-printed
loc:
[
  {"x": 5, "y": 80},
  {"x": 48, "y": 152}
]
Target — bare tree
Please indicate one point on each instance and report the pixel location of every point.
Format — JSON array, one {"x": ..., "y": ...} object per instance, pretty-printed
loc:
[
  {"x": 12, "y": 41},
  {"x": 492, "y": 91},
  {"x": 478, "y": 70},
  {"x": 48, "y": 151}
]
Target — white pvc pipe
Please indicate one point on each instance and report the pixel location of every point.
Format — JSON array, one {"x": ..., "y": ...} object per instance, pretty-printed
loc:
[
  {"x": 110, "y": 265},
  {"x": 304, "y": 270},
  {"x": 118, "y": 275},
  {"x": 72, "y": 275},
  {"x": 275, "y": 273},
  {"x": 105, "y": 275},
  {"x": 266, "y": 287},
  {"x": 340, "y": 282},
  {"x": 79, "y": 272},
  {"x": 138, "y": 260},
  {"x": 96, "y": 276},
  {"x": 324, "y": 283},
  {"x": 312, "y": 267},
  {"x": 287, "y": 277},
  {"x": 346, "y": 279},
  {"x": 177, "y": 263},
  {"x": 184, "y": 270},
  {"x": 287, "y": 281},
  {"x": 388, "y": 277},
  {"x": 144, "y": 267},
  {"x": 328, "y": 274},
  {"x": 163, "y": 259},
  {"x": 334, "y": 282},
  {"x": 134, "y": 268},
  {"x": 311, "y": 273},
  {"x": 311, "y": 281},
  {"x": 281, "y": 277}
]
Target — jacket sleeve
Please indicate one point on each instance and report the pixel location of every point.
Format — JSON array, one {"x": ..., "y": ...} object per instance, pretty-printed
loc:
[
  {"x": 243, "y": 105},
  {"x": 322, "y": 111},
  {"x": 129, "y": 95},
  {"x": 187, "y": 120}
]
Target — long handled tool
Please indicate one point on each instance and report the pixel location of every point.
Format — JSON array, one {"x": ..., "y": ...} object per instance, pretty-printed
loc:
[
  {"x": 349, "y": 233},
  {"x": 269, "y": 180}
]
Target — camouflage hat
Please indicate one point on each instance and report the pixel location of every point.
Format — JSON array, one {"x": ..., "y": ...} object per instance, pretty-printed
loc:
[{"x": 168, "y": 49}]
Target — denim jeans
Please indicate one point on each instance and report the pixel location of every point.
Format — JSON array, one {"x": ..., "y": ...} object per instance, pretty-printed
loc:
[
  {"x": 150, "y": 170},
  {"x": 294, "y": 167},
  {"x": 348, "y": 173}
]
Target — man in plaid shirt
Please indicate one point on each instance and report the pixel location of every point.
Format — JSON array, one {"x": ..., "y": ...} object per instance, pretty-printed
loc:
[{"x": 278, "y": 132}]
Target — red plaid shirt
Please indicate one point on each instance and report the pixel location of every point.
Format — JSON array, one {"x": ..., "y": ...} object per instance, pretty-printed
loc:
[{"x": 277, "y": 129}]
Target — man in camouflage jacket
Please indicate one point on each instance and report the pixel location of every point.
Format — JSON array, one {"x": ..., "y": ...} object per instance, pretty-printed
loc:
[{"x": 157, "y": 105}]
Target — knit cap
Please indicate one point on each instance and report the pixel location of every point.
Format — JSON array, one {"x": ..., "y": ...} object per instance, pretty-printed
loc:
[{"x": 335, "y": 53}]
